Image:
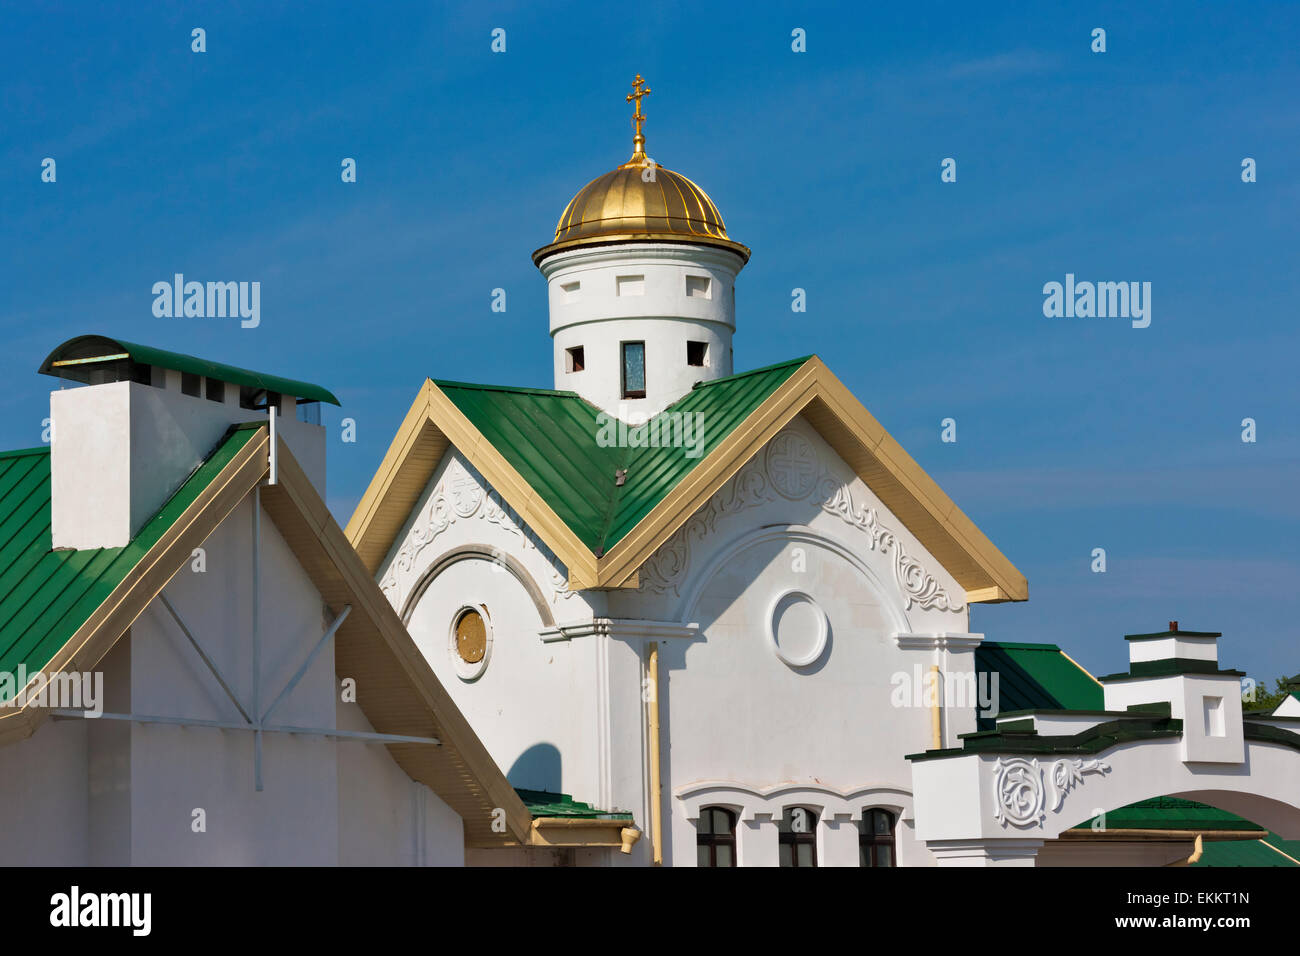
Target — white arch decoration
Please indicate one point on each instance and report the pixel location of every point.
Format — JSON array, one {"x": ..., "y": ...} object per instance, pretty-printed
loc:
[{"x": 788, "y": 533}]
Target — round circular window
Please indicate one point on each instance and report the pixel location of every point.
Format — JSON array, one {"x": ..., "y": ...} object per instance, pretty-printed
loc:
[
  {"x": 798, "y": 628},
  {"x": 471, "y": 641}
]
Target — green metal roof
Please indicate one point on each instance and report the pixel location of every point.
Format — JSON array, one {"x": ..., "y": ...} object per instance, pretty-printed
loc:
[
  {"x": 46, "y": 595},
  {"x": 1035, "y": 677},
  {"x": 1270, "y": 851},
  {"x": 84, "y": 349},
  {"x": 554, "y": 440},
  {"x": 1171, "y": 813},
  {"x": 543, "y": 803}
]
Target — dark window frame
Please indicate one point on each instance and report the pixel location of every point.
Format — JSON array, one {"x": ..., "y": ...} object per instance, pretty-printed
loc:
[
  {"x": 575, "y": 359},
  {"x": 712, "y": 840},
  {"x": 703, "y": 356},
  {"x": 633, "y": 393},
  {"x": 788, "y": 836},
  {"x": 869, "y": 839}
]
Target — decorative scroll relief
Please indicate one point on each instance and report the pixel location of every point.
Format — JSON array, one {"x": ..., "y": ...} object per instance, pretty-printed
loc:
[
  {"x": 791, "y": 469},
  {"x": 1020, "y": 787},
  {"x": 460, "y": 494}
]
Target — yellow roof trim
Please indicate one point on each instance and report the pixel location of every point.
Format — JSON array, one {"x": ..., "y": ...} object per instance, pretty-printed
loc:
[{"x": 878, "y": 460}]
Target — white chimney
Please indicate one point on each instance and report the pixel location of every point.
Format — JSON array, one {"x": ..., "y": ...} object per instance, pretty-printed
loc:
[{"x": 125, "y": 442}]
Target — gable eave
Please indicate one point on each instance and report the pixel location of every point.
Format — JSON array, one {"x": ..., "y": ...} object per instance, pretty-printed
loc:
[
  {"x": 374, "y": 648},
  {"x": 876, "y": 458},
  {"x": 435, "y": 423},
  {"x": 432, "y": 426}
]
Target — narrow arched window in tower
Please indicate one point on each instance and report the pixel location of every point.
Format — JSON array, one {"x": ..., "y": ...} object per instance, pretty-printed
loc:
[
  {"x": 876, "y": 838},
  {"x": 797, "y": 834},
  {"x": 634, "y": 370},
  {"x": 715, "y": 837}
]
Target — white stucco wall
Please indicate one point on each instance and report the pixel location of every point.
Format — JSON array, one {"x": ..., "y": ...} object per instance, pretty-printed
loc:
[
  {"x": 386, "y": 818},
  {"x": 735, "y": 716},
  {"x": 669, "y": 305},
  {"x": 174, "y": 770},
  {"x": 108, "y": 792},
  {"x": 44, "y": 793},
  {"x": 533, "y": 705},
  {"x": 828, "y": 734}
]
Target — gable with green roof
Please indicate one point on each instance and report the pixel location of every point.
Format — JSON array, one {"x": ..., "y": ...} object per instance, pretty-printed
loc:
[
  {"x": 1034, "y": 676},
  {"x": 47, "y": 595},
  {"x": 560, "y": 444}
]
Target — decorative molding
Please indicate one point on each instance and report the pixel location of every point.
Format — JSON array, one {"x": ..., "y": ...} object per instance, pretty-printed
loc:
[
  {"x": 944, "y": 641},
  {"x": 620, "y": 629},
  {"x": 462, "y": 494},
  {"x": 752, "y": 802},
  {"x": 1020, "y": 787},
  {"x": 790, "y": 468},
  {"x": 819, "y": 642}
]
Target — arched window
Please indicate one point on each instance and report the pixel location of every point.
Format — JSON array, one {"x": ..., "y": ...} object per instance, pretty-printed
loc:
[
  {"x": 715, "y": 838},
  {"x": 798, "y": 837},
  {"x": 876, "y": 838}
]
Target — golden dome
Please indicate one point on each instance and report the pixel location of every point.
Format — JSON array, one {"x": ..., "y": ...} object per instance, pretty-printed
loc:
[{"x": 640, "y": 201}]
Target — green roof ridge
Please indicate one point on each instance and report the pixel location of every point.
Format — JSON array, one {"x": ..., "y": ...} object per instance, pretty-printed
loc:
[
  {"x": 552, "y": 439},
  {"x": 518, "y": 389},
  {"x": 179, "y": 361}
]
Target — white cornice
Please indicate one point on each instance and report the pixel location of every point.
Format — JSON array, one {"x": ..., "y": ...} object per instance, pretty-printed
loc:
[
  {"x": 943, "y": 640},
  {"x": 755, "y": 802},
  {"x": 682, "y": 252},
  {"x": 622, "y": 629}
]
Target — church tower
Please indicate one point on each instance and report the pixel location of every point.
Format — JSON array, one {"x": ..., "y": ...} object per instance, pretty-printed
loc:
[{"x": 641, "y": 281}]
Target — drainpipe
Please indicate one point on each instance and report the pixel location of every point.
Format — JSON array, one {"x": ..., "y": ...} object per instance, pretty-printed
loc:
[{"x": 656, "y": 794}]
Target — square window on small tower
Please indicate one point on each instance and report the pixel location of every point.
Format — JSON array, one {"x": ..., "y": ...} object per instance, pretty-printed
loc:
[
  {"x": 574, "y": 359},
  {"x": 191, "y": 384},
  {"x": 634, "y": 370},
  {"x": 571, "y": 291},
  {"x": 216, "y": 390},
  {"x": 697, "y": 353},
  {"x": 699, "y": 287},
  {"x": 630, "y": 285}
]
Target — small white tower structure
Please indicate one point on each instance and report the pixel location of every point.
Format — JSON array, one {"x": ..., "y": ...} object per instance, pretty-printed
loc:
[{"x": 641, "y": 280}]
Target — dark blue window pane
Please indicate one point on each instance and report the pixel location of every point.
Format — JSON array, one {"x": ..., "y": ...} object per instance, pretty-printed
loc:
[{"x": 633, "y": 367}]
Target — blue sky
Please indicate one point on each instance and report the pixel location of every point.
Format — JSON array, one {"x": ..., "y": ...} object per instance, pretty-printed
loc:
[{"x": 925, "y": 298}]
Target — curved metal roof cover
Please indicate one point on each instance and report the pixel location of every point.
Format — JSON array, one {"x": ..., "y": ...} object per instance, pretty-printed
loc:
[{"x": 84, "y": 350}]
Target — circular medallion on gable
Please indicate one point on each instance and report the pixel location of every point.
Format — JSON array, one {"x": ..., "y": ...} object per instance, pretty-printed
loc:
[
  {"x": 798, "y": 628},
  {"x": 791, "y": 465},
  {"x": 470, "y": 641},
  {"x": 466, "y": 494}
]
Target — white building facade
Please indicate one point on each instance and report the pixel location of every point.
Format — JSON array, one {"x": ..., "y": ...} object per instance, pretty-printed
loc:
[{"x": 728, "y": 604}]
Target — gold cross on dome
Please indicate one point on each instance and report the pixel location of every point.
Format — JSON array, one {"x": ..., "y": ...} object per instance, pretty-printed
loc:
[{"x": 638, "y": 141}]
